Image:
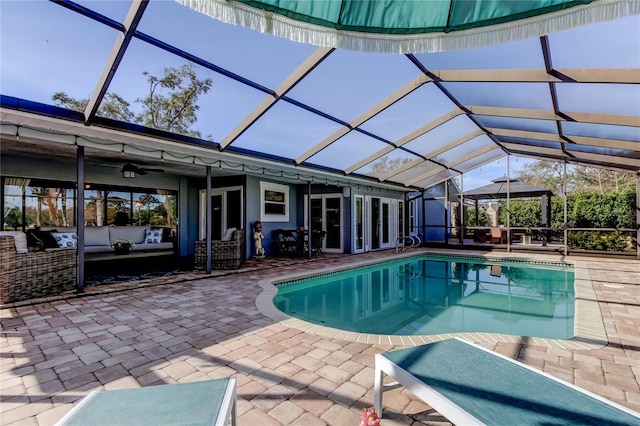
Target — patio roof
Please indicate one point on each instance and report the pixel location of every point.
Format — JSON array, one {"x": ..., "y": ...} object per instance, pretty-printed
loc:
[
  {"x": 499, "y": 189},
  {"x": 406, "y": 121}
]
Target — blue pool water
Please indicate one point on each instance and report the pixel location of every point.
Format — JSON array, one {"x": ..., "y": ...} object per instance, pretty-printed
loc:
[{"x": 428, "y": 295}]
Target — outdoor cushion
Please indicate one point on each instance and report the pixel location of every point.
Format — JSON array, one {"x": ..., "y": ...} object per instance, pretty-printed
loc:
[
  {"x": 66, "y": 239},
  {"x": 469, "y": 384},
  {"x": 153, "y": 236},
  {"x": 153, "y": 246},
  {"x": 19, "y": 239},
  {"x": 228, "y": 234},
  {"x": 208, "y": 402},
  {"x": 58, "y": 228},
  {"x": 96, "y": 236},
  {"x": 135, "y": 234}
]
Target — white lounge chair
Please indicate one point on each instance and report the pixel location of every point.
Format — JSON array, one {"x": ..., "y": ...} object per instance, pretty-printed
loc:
[
  {"x": 469, "y": 384},
  {"x": 208, "y": 402}
]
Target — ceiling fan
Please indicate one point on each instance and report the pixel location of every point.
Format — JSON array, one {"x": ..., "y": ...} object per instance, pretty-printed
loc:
[{"x": 130, "y": 170}]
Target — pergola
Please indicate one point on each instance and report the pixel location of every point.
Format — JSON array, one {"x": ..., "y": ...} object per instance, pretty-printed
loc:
[{"x": 507, "y": 188}]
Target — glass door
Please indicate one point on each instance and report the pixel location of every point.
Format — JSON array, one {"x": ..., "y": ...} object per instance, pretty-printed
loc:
[
  {"x": 226, "y": 211},
  {"x": 358, "y": 224},
  {"x": 326, "y": 215},
  {"x": 382, "y": 225}
]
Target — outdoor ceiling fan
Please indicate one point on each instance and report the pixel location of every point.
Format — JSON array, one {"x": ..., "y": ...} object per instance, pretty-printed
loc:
[{"x": 130, "y": 170}]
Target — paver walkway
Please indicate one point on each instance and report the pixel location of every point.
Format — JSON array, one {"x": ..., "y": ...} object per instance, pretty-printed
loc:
[{"x": 193, "y": 327}]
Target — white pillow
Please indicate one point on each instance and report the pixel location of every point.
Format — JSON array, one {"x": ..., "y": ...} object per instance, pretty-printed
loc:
[
  {"x": 19, "y": 239},
  {"x": 228, "y": 234},
  {"x": 153, "y": 236},
  {"x": 66, "y": 239}
]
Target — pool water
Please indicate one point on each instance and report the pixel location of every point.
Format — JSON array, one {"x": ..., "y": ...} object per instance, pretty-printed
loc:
[{"x": 427, "y": 295}]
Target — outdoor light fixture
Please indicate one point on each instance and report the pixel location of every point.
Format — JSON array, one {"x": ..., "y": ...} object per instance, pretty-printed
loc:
[{"x": 128, "y": 174}]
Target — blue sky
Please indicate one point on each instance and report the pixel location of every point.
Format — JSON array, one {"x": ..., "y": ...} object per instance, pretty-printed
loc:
[{"x": 46, "y": 48}]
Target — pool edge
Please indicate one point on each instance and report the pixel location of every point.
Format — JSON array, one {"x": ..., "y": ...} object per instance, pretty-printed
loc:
[{"x": 589, "y": 329}]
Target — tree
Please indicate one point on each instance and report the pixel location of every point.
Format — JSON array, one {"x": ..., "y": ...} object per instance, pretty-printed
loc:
[
  {"x": 171, "y": 104},
  {"x": 385, "y": 164},
  {"x": 579, "y": 178},
  {"x": 112, "y": 106},
  {"x": 176, "y": 111},
  {"x": 603, "y": 180},
  {"x": 545, "y": 173}
]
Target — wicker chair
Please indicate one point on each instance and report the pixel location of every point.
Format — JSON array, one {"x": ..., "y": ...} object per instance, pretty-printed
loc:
[
  {"x": 224, "y": 254},
  {"x": 35, "y": 274}
]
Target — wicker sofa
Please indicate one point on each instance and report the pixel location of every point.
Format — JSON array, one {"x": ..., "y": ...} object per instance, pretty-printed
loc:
[
  {"x": 224, "y": 254},
  {"x": 36, "y": 273}
]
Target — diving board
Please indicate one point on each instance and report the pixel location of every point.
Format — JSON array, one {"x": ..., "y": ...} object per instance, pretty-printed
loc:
[
  {"x": 469, "y": 384},
  {"x": 208, "y": 402}
]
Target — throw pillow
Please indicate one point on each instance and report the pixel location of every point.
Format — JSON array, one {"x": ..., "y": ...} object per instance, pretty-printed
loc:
[
  {"x": 153, "y": 236},
  {"x": 47, "y": 237},
  {"x": 228, "y": 234},
  {"x": 33, "y": 240},
  {"x": 66, "y": 239}
]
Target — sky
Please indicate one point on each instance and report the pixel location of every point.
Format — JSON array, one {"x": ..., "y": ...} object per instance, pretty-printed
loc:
[{"x": 45, "y": 48}]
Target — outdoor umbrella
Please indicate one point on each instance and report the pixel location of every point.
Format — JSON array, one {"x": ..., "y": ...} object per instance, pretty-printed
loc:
[{"x": 411, "y": 26}]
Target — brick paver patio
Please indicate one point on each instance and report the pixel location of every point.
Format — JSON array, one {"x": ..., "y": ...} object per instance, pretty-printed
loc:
[{"x": 193, "y": 327}]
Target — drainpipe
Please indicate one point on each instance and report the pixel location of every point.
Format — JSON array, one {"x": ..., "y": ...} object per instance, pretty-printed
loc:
[
  {"x": 638, "y": 216},
  {"x": 80, "y": 217},
  {"x": 566, "y": 214},
  {"x": 462, "y": 209},
  {"x": 208, "y": 222},
  {"x": 447, "y": 212},
  {"x": 309, "y": 248},
  {"x": 508, "y": 207},
  {"x": 423, "y": 212}
]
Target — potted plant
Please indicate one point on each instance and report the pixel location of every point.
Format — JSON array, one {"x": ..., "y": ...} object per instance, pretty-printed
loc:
[{"x": 121, "y": 246}]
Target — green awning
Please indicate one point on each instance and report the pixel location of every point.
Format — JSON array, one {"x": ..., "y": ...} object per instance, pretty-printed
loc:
[{"x": 411, "y": 26}]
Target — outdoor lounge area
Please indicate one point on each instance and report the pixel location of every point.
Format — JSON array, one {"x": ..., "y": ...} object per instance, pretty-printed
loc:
[{"x": 195, "y": 327}]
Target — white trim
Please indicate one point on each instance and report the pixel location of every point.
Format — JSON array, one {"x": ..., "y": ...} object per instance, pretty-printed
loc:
[
  {"x": 324, "y": 198},
  {"x": 202, "y": 214},
  {"x": 354, "y": 221},
  {"x": 275, "y": 187}
]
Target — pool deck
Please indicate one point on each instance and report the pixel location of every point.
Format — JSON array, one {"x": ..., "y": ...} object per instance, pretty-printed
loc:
[{"x": 191, "y": 327}]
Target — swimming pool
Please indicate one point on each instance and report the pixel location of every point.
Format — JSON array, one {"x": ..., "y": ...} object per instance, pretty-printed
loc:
[{"x": 436, "y": 295}]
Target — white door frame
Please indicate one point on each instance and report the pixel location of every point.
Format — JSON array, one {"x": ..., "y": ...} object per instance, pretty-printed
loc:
[
  {"x": 354, "y": 221},
  {"x": 392, "y": 222},
  {"x": 202, "y": 214},
  {"x": 324, "y": 197}
]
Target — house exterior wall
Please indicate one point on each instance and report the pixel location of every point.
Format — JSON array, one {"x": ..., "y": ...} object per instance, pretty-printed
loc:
[{"x": 253, "y": 214}]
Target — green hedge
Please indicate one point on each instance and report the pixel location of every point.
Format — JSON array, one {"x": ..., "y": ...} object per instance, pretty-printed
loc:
[{"x": 584, "y": 210}]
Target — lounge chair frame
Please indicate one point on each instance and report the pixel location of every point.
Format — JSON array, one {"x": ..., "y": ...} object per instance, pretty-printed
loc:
[
  {"x": 169, "y": 402},
  {"x": 430, "y": 390}
]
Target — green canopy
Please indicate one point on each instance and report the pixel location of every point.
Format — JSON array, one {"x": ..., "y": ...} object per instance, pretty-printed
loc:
[{"x": 410, "y": 26}]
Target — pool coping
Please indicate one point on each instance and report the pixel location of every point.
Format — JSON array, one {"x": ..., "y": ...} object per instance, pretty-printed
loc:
[{"x": 589, "y": 328}]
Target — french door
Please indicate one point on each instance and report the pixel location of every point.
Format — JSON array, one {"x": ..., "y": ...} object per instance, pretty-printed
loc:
[
  {"x": 381, "y": 222},
  {"x": 326, "y": 215},
  {"x": 226, "y": 211}
]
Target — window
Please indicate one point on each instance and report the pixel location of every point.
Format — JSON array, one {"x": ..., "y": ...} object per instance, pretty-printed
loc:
[
  {"x": 274, "y": 202},
  {"x": 30, "y": 203}
]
